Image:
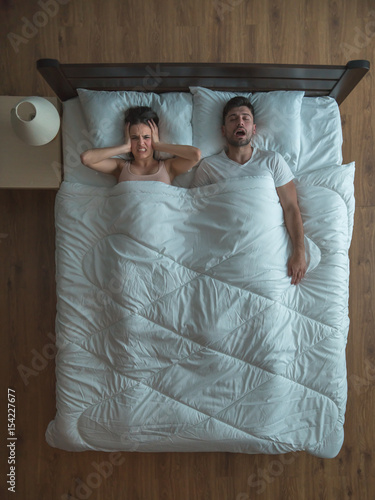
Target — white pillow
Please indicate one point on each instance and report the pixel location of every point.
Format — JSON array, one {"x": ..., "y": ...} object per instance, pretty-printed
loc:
[
  {"x": 105, "y": 110},
  {"x": 321, "y": 134},
  {"x": 277, "y": 117}
]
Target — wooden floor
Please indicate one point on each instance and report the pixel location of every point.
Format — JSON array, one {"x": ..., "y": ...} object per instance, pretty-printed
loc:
[{"x": 267, "y": 31}]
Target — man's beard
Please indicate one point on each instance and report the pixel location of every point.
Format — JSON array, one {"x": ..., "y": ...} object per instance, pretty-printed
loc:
[{"x": 243, "y": 141}]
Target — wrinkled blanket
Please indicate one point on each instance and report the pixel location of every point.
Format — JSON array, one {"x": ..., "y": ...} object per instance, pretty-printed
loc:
[{"x": 178, "y": 328}]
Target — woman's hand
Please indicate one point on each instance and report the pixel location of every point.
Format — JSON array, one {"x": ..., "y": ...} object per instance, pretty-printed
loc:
[
  {"x": 127, "y": 142},
  {"x": 154, "y": 133}
]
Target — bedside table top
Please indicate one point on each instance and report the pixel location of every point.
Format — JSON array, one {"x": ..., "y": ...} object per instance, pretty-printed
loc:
[{"x": 24, "y": 166}]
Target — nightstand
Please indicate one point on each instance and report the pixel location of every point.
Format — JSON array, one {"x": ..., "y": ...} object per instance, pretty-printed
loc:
[{"x": 24, "y": 166}]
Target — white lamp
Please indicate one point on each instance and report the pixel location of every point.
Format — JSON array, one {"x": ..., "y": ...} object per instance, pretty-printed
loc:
[{"x": 35, "y": 120}]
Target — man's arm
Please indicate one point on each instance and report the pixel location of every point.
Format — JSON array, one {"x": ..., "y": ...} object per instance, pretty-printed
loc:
[{"x": 293, "y": 221}]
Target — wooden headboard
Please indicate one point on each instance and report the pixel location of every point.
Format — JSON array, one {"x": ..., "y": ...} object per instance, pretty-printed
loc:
[{"x": 334, "y": 81}]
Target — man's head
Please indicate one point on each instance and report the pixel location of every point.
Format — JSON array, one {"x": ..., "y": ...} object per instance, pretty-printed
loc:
[{"x": 238, "y": 121}]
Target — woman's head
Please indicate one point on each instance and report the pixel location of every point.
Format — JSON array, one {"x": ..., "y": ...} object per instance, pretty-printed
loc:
[
  {"x": 140, "y": 114},
  {"x": 137, "y": 119}
]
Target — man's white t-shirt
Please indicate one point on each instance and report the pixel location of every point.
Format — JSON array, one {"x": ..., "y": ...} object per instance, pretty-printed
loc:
[{"x": 262, "y": 163}]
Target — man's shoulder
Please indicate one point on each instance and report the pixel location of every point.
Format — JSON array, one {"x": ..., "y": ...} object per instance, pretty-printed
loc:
[
  {"x": 214, "y": 157},
  {"x": 273, "y": 156},
  {"x": 268, "y": 153},
  {"x": 213, "y": 161},
  {"x": 208, "y": 169}
]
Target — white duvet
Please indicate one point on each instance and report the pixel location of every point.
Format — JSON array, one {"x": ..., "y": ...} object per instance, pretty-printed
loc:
[{"x": 177, "y": 326}]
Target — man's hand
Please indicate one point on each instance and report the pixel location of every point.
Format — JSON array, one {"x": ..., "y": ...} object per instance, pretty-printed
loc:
[{"x": 297, "y": 267}]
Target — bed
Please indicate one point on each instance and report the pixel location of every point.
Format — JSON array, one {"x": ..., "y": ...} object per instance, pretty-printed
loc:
[{"x": 177, "y": 327}]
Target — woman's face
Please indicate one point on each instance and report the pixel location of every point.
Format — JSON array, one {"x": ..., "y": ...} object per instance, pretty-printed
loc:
[{"x": 140, "y": 139}]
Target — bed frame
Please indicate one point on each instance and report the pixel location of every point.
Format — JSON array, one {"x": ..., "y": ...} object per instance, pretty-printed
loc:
[{"x": 334, "y": 81}]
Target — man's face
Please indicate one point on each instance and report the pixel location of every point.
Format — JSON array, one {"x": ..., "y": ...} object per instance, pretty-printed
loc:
[{"x": 239, "y": 126}]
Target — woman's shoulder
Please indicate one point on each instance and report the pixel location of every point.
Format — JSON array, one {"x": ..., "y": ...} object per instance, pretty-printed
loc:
[
  {"x": 166, "y": 163},
  {"x": 122, "y": 162}
]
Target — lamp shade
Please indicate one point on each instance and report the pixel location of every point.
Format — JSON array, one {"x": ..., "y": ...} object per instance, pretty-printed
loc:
[{"x": 35, "y": 120}]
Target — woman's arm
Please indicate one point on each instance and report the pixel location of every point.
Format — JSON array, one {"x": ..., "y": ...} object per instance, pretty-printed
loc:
[
  {"x": 100, "y": 159},
  {"x": 185, "y": 156}
]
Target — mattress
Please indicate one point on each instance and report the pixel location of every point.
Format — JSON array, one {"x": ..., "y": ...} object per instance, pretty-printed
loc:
[{"x": 177, "y": 326}]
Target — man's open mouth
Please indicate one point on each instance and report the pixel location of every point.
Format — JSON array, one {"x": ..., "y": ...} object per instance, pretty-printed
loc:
[{"x": 240, "y": 133}]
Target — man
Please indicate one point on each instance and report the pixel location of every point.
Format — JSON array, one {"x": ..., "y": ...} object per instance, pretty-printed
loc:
[{"x": 240, "y": 158}]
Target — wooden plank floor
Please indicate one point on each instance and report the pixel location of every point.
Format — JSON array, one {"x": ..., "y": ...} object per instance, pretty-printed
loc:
[{"x": 267, "y": 31}]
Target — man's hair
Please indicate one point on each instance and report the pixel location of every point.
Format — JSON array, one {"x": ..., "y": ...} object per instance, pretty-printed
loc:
[
  {"x": 140, "y": 114},
  {"x": 237, "y": 102}
]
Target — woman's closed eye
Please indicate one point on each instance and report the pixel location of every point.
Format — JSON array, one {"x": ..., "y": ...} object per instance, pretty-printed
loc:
[{"x": 136, "y": 137}]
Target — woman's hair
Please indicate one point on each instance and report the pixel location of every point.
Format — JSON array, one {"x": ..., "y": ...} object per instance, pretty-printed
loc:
[
  {"x": 140, "y": 114},
  {"x": 237, "y": 102}
]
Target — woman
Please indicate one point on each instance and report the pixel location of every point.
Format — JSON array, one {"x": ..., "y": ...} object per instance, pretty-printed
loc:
[{"x": 142, "y": 140}]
